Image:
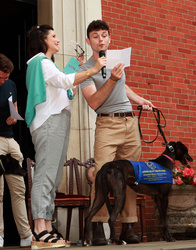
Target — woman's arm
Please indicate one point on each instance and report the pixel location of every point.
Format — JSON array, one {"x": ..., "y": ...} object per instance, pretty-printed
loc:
[
  {"x": 54, "y": 77},
  {"x": 82, "y": 76}
]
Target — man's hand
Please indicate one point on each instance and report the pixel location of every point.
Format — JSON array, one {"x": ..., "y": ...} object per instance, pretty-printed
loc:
[
  {"x": 10, "y": 121},
  {"x": 146, "y": 105},
  {"x": 117, "y": 72}
]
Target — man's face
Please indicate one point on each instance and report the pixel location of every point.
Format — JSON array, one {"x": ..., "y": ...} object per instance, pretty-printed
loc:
[
  {"x": 3, "y": 77},
  {"x": 98, "y": 40}
]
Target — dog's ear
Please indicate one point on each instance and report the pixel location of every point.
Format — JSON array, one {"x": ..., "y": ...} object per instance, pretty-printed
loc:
[
  {"x": 182, "y": 147},
  {"x": 185, "y": 150},
  {"x": 172, "y": 143}
]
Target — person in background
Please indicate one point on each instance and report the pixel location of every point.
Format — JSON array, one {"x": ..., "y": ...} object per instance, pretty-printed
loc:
[
  {"x": 48, "y": 117},
  {"x": 9, "y": 146},
  {"x": 116, "y": 135}
]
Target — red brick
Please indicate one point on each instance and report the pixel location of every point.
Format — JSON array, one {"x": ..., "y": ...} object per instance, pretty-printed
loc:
[
  {"x": 162, "y": 36},
  {"x": 167, "y": 52},
  {"x": 150, "y": 39},
  {"x": 186, "y": 51}
]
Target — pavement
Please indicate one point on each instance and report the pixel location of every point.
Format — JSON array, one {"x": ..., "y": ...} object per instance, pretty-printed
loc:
[{"x": 158, "y": 245}]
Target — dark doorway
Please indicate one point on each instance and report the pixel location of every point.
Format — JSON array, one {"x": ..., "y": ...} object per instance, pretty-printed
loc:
[{"x": 17, "y": 16}]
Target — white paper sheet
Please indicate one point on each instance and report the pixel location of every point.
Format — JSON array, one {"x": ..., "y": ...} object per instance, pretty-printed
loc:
[
  {"x": 118, "y": 56},
  {"x": 14, "y": 114}
]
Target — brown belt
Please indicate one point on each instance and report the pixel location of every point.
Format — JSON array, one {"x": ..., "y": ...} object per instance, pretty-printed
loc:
[{"x": 124, "y": 114}]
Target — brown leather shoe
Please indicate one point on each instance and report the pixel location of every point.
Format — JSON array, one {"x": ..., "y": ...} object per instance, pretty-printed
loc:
[
  {"x": 98, "y": 234},
  {"x": 127, "y": 234}
]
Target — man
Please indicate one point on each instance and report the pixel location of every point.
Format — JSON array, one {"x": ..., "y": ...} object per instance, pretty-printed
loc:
[
  {"x": 9, "y": 146},
  {"x": 117, "y": 135}
]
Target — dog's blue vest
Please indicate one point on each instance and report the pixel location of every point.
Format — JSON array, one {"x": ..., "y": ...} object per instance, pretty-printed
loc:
[{"x": 151, "y": 172}]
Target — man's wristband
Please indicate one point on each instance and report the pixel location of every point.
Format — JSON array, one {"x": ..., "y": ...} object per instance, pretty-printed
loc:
[{"x": 113, "y": 79}]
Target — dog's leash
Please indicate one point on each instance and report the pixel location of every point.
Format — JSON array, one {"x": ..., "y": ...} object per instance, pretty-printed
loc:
[{"x": 157, "y": 114}]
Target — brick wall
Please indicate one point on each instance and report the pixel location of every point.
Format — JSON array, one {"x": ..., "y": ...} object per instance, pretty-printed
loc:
[{"x": 162, "y": 34}]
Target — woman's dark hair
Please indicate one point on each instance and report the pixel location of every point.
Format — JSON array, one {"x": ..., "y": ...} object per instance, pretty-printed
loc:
[
  {"x": 97, "y": 25},
  {"x": 36, "y": 39}
]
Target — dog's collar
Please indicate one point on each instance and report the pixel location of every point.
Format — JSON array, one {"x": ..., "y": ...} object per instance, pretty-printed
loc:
[
  {"x": 1, "y": 163},
  {"x": 171, "y": 148},
  {"x": 169, "y": 158}
]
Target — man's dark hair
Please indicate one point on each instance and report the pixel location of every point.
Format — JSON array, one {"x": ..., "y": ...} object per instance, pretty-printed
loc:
[
  {"x": 6, "y": 64},
  {"x": 97, "y": 25}
]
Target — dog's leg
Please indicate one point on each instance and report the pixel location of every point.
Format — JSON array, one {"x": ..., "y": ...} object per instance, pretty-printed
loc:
[
  {"x": 118, "y": 205},
  {"x": 162, "y": 204},
  {"x": 117, "y": 187},
  {"x": 97, "y": 205}
]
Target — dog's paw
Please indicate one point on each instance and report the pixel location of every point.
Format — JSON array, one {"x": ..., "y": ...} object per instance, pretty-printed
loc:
[
  {"x": 121, "y": 242},
  {"x": 85, "y": 244}
]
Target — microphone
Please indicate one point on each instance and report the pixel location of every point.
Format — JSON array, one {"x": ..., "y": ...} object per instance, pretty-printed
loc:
[{"x": 103, "y": 70}]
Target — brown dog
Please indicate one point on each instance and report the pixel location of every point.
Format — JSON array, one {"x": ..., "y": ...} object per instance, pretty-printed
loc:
[
  {"x": 113, "y": 178},
  {"x": 9, "y": 165}
]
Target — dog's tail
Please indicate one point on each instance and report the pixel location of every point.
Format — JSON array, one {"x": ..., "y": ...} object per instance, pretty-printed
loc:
[{"x": 104, "y": 171}]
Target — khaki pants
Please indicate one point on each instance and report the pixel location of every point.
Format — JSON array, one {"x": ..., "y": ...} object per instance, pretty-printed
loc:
[
  {"x": 117, "y": 138},
  {"x": 17, "y": 190}
]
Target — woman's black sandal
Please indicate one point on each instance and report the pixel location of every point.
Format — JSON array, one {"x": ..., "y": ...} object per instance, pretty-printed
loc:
[
  {"x": 45, "y": 244},
  {"x": 58, "y": 235}
]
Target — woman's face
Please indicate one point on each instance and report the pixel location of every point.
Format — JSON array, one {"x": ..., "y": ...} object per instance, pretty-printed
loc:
[{"x": 52, "y": 42}]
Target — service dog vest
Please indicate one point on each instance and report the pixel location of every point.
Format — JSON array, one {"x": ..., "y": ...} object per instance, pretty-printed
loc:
[{"x": 151, "y": 172}]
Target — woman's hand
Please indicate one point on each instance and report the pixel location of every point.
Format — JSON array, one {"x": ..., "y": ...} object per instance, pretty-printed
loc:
[
  {"x": 74, "y": 90},
  {"x": 81, "y": 60},
  {"x": 101, "y": 62}
]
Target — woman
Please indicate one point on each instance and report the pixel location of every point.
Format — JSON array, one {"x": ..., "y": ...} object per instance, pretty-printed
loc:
[{"x": 48, "y": 117}]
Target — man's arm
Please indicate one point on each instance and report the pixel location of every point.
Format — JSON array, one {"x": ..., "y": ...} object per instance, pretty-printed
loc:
[
  {"x": 10, "y": 120},
  {"x": 95, "y": 97},
  {"x": 146, "y": 105}
]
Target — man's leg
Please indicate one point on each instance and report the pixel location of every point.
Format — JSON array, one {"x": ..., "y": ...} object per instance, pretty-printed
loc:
[
  {"x": 17, "y": 192},
  {"x": 3, "y": 151},
  {"x": 1, "y": 207},
  {"x": 130, "y": 150},
  {"x": 107, "y": 138},
  {"x": 108, "y": 135}
]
